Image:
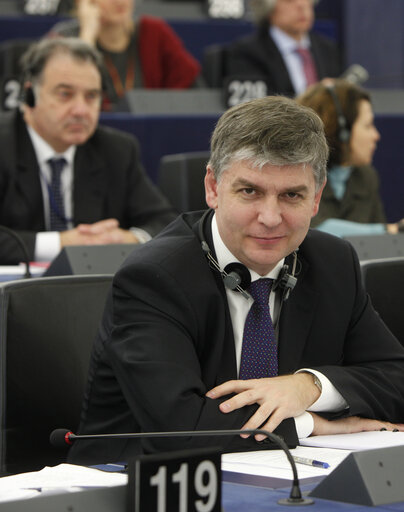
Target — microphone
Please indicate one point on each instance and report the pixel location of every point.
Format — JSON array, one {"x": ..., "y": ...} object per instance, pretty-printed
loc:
[
  {"x": 62, "y": 437},
  {"x": 356, "y": 74},
  {"x": 21, "y": 245}
]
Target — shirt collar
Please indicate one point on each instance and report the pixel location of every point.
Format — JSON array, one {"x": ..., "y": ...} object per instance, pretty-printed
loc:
[
  {"x": 44, "y": 151},
  {"x": 224, "y": 256},
  {"x": 286, "y": 43}
]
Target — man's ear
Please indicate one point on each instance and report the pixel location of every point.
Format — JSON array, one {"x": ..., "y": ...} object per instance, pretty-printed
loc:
[{"x": 210, "y": 188}]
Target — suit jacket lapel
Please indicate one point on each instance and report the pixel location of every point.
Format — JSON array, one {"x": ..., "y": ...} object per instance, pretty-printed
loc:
[
  {"x": 276, "y": 65},
  {"x": 90, "y": 183},
  {"x": 296, "y": 318},
  {"x": 318, "y": 58},
  {"x": 27, "y": 176},
  {"x": 228, "y": 367}
]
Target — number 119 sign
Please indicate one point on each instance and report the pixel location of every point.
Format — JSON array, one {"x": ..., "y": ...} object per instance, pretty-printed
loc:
[{"x": 186, "y": 481}]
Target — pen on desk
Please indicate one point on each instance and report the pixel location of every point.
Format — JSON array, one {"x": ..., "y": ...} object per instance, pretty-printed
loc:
[{"x": 311, "y": 462}]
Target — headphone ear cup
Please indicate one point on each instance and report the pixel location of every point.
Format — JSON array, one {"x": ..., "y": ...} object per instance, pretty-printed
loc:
[
  {"x": 29, "y": 97},
  {"x": 344, "y": 135}
]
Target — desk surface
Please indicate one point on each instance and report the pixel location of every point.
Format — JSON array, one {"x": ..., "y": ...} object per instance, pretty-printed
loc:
[{"x": 236, "y": 498}]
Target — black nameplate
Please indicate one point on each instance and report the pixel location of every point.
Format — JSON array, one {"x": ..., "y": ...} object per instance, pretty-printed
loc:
[{"x": 182, "y": 481}]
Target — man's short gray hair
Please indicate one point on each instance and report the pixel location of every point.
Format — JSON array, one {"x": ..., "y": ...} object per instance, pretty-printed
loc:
[
  {"x": 262, "y": 9},
  {"x": 35, "y": 58},
  {"x": 273, "y": 130}
]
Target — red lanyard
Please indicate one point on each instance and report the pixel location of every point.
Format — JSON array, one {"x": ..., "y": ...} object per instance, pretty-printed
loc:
[{"x": 119, "y": 87}]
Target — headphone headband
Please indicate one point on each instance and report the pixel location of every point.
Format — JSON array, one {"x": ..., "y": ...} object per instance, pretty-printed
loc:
[{"x": 343, "y": 132}]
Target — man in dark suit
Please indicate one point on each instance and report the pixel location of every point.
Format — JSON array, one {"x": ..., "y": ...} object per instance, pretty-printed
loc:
[
  {"x": 174, "y": 349},
  {"x": 276, "y": 53},
  {"x": 102, "y": 195}
]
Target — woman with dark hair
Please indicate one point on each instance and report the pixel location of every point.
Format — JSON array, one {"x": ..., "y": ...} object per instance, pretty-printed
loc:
[
  {"x": 351, "y": 203},
  {"x": 142, "y": 52}
]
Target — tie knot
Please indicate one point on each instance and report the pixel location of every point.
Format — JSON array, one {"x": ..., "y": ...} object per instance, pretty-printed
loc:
[
  {"x": 260, "y": 290},
  {"x": 57, "y": 164},
  {"x": 303, "y": 52}
]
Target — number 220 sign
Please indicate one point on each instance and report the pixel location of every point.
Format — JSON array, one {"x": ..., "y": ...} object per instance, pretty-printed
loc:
[{"x": 186, "y": 481}]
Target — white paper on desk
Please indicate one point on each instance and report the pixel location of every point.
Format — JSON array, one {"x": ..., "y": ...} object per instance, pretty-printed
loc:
[
  {"x": 63, "y": 477},
  {"x": 357, "y": 441},
  {"x": 19, "y": 270},
  {"x": 274, "y": 463}
]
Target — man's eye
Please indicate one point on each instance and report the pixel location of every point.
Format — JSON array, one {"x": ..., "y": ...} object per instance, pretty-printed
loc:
[
  {"x": 248, "y": 191},
  {"x": 64, "y": 94},
  {"x": 93, "y": 96},
  {"x": 293, "y": 195}
]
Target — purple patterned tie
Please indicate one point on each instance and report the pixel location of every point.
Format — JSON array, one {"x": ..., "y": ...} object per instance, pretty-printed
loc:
[
  {"x": 259, "y": 355},
  {"x": 309, "y": 67}
]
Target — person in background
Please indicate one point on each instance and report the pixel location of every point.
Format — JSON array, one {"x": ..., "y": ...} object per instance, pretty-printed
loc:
[
  {"x": 137, "y": 53},
  {"x": 351, "y": 203},
  {"x": 284, "y": 52},
  {"x": 182, "y": 348},
  {"x": 63, "y": 179}
]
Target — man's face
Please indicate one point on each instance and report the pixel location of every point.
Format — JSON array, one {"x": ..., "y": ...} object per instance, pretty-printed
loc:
[
  {"x": 67, "y": 102},
  {"x": 262, "y": 215},
  {"x": 295, "y": 17}
]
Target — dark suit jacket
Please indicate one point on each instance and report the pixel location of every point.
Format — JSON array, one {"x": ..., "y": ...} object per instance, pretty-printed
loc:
[
  {"x": 108, "y": 182},
  {"x": 360, "y": 203},
  {"x": 172, "y": 341},
  {"x": 258, "y": 56}
]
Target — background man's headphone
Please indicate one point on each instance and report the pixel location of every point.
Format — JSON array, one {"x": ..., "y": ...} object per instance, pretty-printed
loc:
[
  {"x": 343, "y": 132},
  {"x": 29, "y": 96}
]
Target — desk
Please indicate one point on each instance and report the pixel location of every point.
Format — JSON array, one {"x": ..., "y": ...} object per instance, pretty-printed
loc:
[{"x": 236, "y": 498}]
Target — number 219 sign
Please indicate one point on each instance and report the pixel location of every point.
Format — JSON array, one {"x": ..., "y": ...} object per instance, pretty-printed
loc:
[{"x": 186, "y": 481}]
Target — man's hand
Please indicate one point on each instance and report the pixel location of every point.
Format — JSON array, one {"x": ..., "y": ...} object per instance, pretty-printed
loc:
[
  {"x": 100, "y": 233},
  {"x": 350, "y": 425},
  {"x": 278, "y": 397}
]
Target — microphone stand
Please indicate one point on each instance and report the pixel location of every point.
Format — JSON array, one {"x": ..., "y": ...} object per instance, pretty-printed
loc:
[
  {"x": 295, "y": 497},
  {"x": 22, "y": 246}
]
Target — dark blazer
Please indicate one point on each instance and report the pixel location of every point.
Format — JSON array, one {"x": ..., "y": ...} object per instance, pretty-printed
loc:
[
  {"x": 108, "y": 182},
  {"x": 360, "y": 203},
  {"x": 172, "y": 341},
  {"x": 258, "y": 56}
]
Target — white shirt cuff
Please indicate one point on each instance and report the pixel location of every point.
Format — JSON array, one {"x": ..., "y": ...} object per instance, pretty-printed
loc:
[
  {"x": 142, "y": 235},
  {"x": 330, "y": 399},
  {"x": 47, "y": 245},
  {"x": 304, "y": 425}
]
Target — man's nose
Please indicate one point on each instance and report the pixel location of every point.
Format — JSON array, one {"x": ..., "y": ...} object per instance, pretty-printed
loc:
[{"x": 270, "y": 212}]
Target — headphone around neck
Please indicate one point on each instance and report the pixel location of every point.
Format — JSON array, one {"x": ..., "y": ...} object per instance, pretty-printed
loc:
[{"x": 237, "y": 277}]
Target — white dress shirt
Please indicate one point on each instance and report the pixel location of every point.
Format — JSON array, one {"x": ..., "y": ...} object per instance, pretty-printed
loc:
[
  {"x": 293, "y": 62},
  {"x": 330, "y": 399},
  {"x": 47, "y": 243}
]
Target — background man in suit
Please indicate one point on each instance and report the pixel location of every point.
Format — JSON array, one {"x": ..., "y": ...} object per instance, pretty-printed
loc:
[
  {"x": 281, "y": 46},
  {"x": 101, "y": 194},
  {"x": 176, "y": 349}
]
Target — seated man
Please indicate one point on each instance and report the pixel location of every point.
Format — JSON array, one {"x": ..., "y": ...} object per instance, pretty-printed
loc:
[
  {"x": 181, "y": 348},
  {"x": 283, "y": 52},
  {"x": 59, "y": 172}
]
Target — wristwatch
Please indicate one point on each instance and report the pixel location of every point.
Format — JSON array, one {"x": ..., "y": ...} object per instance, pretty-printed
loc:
[{"x": 317, "y": 382}]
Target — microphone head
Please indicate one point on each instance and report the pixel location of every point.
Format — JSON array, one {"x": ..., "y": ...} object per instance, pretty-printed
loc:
[
  {"x": 355, "y": 74},
  {"x": 59, "y": 438}
]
